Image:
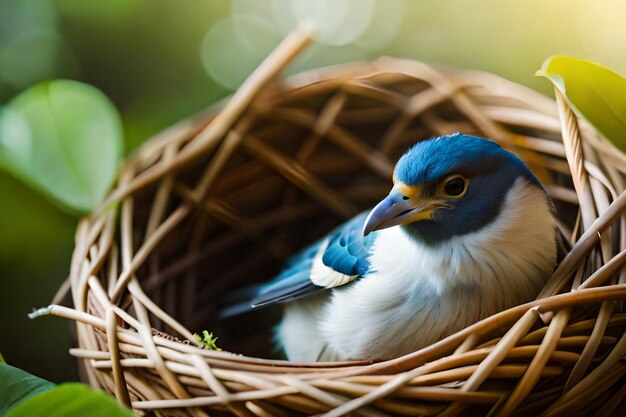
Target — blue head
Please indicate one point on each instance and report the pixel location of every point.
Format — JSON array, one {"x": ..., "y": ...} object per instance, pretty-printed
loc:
[{"x": 449, "y": 186}]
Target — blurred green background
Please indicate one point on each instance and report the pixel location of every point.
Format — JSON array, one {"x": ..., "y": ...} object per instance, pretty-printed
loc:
[{"x": 162, "y": 60}]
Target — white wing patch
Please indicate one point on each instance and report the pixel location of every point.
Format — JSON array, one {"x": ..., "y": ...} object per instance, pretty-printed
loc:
[{"x": 325, "y": 276}]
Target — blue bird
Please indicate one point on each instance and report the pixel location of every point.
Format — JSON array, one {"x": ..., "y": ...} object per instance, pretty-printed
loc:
[{"x": 466, "y": 231}]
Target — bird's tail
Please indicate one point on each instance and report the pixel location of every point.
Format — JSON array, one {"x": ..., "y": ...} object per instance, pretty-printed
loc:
[{"x": 238, "y": 301}]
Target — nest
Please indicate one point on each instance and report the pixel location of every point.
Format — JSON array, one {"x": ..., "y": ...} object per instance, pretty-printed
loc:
[{"x": 220, "y": 200}]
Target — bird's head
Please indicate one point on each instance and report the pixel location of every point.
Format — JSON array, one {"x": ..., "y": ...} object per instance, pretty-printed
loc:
[{"x": 448, "y": 186}]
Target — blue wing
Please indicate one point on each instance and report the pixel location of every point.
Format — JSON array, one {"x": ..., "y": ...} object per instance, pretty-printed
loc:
[
  {"x": 335, "y": 260},
  {"x": 348, "y": 251}
]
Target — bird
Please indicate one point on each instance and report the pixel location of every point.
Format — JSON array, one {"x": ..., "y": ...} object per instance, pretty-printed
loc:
[{"x": 466, "y": 231}]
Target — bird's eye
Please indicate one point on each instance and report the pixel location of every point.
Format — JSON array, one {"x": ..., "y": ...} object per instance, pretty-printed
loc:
[{"x": 455, "y": 186}]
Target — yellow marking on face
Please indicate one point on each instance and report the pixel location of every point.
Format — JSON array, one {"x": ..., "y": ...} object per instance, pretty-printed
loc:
[
  {"x": 427, "y": 206},
  {"x": 414, "y": 192},
  {"x": 420, "y": 215}
]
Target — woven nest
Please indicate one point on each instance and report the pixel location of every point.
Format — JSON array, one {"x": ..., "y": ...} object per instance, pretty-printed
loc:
[{"x": 221, "y": 200}]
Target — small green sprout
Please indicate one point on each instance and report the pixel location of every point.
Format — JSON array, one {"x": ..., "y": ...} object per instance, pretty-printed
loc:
[
  {"x": 2, "y": 359},
  {"x": 208, "y": 340}
]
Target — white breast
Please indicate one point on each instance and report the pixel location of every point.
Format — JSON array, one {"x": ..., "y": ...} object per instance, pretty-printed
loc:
[{"x": 418, "y": 294}]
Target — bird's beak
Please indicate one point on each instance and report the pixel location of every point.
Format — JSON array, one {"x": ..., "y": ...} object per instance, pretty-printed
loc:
[{"x": 396, "y": 209}]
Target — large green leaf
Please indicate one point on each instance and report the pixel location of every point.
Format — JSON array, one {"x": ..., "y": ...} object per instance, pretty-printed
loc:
[
  {"x": 598, "y": 93},
  {"x": 71, "y": 400},
  {"x": 17, "y": 386},
  {"x": 63, "y": 138}
]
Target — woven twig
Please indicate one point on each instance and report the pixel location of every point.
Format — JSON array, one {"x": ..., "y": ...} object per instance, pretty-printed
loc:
[{"x": 212, "y": 203}]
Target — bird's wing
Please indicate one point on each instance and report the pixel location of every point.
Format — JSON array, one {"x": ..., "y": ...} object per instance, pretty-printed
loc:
[{"x": 333, "y": 261}]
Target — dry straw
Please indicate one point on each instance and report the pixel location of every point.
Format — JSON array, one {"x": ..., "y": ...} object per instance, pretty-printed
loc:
[{"x": 221, "y": 199}]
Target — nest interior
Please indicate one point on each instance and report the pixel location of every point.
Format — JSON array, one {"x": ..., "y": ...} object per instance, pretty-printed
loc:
[{"x": 222, "y": 199}]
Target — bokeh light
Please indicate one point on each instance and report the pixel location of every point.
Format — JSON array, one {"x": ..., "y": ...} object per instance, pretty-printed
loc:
[
  {"x": 234, "y": 46},
  {"x": 337, "y": 22},
  {"x": 345, "y": 30},
  {"x": 31, "y": 48},
  {"x": 384, "y": 26}
]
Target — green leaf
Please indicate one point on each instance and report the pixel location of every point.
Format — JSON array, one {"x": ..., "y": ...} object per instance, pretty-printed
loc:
[
  {"x": 2, "y": 360},
  {"x": 17, "y": 386},
  {"x": 596, "y": 92},
  {"x": 71, "y": 400},
  {"x": 25, "y": 395},
  {"x": 208, "y": 340},
  {"x": 64, "y": 138}
]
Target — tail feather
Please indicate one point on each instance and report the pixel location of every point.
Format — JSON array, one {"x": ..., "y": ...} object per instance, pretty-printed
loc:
[
  {"x": 234, "y": 310},
  {"x": 238, "y": 301}
]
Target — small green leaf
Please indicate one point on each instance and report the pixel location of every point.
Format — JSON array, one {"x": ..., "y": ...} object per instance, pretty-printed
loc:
[
  {"x": 71, "y": 400},
  {"x": 2, "y": 359},
  {"x": 596, "y": 92},
  {"x": 17, "y": 386},
  {"x": 208, "y": 340},
  {"x": 64, "y": 138}
]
